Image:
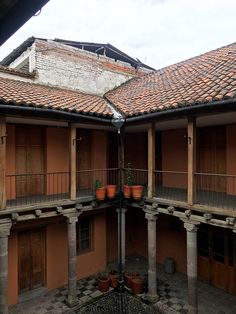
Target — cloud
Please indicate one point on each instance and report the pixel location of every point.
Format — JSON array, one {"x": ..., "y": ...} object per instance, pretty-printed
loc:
[{"x": 158, "y": 32}]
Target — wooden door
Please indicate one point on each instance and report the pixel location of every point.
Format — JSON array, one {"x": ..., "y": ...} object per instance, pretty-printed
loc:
[
  {"x": 31, "y": 259},
  {"x": 217, "y": 258},
  {"x": 83, "y": 159},
  {"x": 212, "y": 158},
  {"x": 29, "y": 161}
]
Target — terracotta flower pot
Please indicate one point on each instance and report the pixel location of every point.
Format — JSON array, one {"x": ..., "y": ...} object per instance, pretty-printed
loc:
[
  {"x": 127, "y": 191},
  {"x": 114, "y": 277},
  {"x": 127, "y": 279},
  {"x": 137, "y": 191},
  {"x": 137, "y": 285},
  {"x": 111, "y": 191},
  {"x": 100, "y": 193},
  {"x": 103, "y": 284}
]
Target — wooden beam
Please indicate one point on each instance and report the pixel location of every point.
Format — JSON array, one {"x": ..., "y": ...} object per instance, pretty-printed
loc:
[
  {"x": 191, "y": 160},
  {"x": 72, "y": 130},
  {"x": 151, "y": 160},
  {"x": 2, "y": 163}
]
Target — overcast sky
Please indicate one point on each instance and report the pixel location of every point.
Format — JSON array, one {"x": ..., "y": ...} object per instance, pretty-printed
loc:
[{"x": 158, "y": 32}]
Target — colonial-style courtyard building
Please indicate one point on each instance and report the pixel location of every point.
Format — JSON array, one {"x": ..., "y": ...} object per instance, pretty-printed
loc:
[{"x": 58, "y": 100}]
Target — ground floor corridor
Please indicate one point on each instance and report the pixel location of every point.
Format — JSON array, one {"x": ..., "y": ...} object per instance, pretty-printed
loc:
[{"x": 172, "y": 289}]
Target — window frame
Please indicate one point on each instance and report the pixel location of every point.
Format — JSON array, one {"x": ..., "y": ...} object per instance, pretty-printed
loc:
[{"x": 90, "y": 236}]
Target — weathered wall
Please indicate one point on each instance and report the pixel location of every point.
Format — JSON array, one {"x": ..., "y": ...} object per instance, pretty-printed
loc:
[{"x": 65, "y": 66}]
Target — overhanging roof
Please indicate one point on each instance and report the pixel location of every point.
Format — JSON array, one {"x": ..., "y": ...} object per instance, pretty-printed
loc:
[{"x": 14, "y": 13}]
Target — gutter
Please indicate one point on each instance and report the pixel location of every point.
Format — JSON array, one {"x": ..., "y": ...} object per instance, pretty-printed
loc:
[
  {"x": 51, "y": 112},
  {"x": 183, "y": 110}
]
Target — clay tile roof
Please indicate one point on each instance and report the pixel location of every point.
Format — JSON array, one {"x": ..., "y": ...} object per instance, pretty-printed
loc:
[
  {"x": 28, "y": 94},
  {"x": 206, "y": 78},
  {"x": 17, "y": 72}
]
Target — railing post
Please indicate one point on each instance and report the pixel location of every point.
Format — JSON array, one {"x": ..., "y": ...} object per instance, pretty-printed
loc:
[
  {"x": 72, "y": 130},
  {"x": 2, "y": 162},
  {"x": 191, "y": 160},
  {"x": 151, "y": 160}
]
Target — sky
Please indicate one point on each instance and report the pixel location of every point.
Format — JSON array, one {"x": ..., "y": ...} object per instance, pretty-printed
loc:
[{"x": 157, "y": 32}]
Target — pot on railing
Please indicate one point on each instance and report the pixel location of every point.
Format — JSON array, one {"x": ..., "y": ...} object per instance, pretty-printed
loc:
[
  {"x": 137, "y": 191},
  {"x": 111, "y": 190},
  {"x": 127, "y": 191}
]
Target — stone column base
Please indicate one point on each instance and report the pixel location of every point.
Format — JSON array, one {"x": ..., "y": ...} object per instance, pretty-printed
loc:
[{"x": 71, "y": 302}]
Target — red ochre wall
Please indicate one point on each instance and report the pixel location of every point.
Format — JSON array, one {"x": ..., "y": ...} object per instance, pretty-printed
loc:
[
  {"x": 135, "y": 150},
  {"x": 56, "y": 255},
  {"x": 231, "y": 158},
  {"x": 10, "y": 161},
  {"x": 174, "y": 157},
  {"x": 57, "y": 160},
  {"x": 171, "y": 237}
]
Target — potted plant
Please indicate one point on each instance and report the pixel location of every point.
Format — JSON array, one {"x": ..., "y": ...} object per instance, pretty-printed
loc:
[
  {"x": 111, "y": 190},
  {"x": 127, "y": 278},
  {"x": 103, "y": 282},
  {"x": 114, "y": 278},
  {"x": 137, "y": 191},
  {"x": 100, "y": 190},
  {"x": 129, "y": 181},
  {"x": 137, "y": 284}
]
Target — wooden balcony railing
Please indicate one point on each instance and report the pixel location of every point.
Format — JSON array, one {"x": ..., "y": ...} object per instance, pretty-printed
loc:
[
  {"x": 216, "y": 190},
  {"x": 32, "y": 188},
  {"x": 171, "y": 185},
  {"x": 85, "y": 180}
]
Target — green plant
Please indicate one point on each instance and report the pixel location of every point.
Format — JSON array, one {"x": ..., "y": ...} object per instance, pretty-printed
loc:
[
  {"x": 129, "y": 175},
  {"x": 103, "y": 275},
  {"x": 97, "y": 184}
]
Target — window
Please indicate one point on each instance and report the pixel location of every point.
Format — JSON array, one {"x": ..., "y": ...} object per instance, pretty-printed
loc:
[{"x": 84, "y": 239}]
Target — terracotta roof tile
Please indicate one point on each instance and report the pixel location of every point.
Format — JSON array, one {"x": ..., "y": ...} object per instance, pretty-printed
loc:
[
  {"x": 30, "y": 94},
  {"x": 202, "y": 79}
]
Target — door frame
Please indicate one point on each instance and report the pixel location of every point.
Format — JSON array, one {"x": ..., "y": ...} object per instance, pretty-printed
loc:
[{"x": 44, "y": 258}]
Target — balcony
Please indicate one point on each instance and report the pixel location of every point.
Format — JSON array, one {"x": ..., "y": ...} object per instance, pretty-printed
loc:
[
  {"x": 216, "y": 190},
  {"x": 171, "y": 185},
  {"x": 38, "y": 188},
  {"x": 212, "y": 190}
]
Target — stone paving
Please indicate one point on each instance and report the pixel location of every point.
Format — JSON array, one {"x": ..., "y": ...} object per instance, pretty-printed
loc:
[{"x": 172, "y": 290}]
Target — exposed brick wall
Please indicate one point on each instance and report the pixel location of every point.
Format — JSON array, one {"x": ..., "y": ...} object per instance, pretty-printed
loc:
[{"x": 65, "y": 66}]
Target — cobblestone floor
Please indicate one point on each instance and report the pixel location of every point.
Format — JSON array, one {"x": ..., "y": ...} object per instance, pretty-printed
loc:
[{"x": 172, "y": 290}]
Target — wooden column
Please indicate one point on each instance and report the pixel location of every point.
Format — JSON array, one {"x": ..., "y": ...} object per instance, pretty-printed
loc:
[
  {"x": 151, "y": 160},
  {"x": 191, "y": 160},
  {"x": 2, "y": 163},
  {"x": 72, "y": 130}
]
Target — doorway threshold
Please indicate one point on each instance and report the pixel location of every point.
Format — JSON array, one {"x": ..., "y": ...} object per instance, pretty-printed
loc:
[{"x": 31, "y": 294}]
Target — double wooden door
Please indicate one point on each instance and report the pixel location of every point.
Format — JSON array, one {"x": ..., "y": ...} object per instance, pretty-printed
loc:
[
  {"x": 29, "y": 161},
  {"x": 212, "y": 158},
  {"x": 31, "y": 259},
  {"x": 217, "y": 258}
]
